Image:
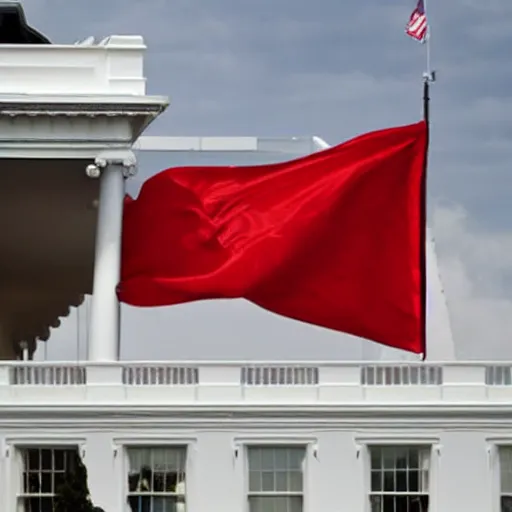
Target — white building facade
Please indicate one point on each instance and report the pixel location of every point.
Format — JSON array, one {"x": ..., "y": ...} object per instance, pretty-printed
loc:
[
  {"x": 260, "y": 437},
  {"x": 198, "y": 436}
]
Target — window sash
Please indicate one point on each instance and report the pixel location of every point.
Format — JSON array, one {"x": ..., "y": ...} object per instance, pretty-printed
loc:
[
  {"x": 168, "y": 469},
  {"x": 271, "y": 494},
  {"x": 275, "y": 469},
  {"x": 505, "y": 465},
  {"x": 157, "y": 493},
  {"x": 36, "y": 495},
  {"x": 388, "y": 493},
  {"x": 408, "y": 467},
  {"x": 295, "y": 503},
  {"x": 41, "y": 470}
]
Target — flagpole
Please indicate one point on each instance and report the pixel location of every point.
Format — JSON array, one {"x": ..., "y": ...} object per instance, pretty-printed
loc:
[
  {"x": 427, "y": 38},
  {"x": 429, "y": 76}
]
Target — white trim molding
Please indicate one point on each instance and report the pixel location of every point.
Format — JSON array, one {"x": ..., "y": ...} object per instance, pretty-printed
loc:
[
  {"x": 286, "y": 145},
  {"x": 494, "y": 443},
  {"x": 123, "y": 444},
  {"x": 242, "y": 444},
  {"x": 13, "y": 445},
  {"x": 365, "y": 442},
  {"x": 54, "y": 128}
]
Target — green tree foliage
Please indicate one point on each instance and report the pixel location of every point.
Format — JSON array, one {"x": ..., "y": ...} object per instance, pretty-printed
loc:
[{"x": 73, "y": 494}]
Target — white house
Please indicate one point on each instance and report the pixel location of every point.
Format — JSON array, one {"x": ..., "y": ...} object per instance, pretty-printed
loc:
[{"x": 307, "y": 436}]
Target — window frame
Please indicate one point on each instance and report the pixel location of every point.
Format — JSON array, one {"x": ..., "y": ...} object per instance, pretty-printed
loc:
[
  {"x": 122, "y": 446},
  {"x": 364, "y": 445},
  {"x": 493, "y": 453},
  {"x": 14, "y": 448},
  {"x": 308, "y": 444}
]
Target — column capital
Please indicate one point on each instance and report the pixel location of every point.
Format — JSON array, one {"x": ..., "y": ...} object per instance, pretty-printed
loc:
[{"x": 124, "y": 158}]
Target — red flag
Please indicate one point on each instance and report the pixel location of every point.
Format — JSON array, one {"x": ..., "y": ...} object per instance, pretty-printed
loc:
[{"x": 334, "y": 239}]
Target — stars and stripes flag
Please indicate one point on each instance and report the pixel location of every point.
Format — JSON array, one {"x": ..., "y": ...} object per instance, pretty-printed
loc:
[{"x": 417, "y": 27}]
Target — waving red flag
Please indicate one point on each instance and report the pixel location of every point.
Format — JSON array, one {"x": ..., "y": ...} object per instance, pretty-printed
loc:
[{"x": 334, "y": 239}]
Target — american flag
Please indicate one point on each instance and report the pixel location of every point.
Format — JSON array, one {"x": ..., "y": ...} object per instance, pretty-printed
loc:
[{"x": 417, "y": 27}]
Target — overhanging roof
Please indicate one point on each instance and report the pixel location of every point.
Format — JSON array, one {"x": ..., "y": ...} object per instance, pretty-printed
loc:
[{"x": 60, "y": 106}]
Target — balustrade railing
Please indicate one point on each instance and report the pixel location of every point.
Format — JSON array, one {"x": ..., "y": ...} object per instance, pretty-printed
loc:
[{"x": 262, "y": 382}]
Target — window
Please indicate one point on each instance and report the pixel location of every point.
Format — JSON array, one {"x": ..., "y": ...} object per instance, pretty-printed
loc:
[
  {"x": 505, "y": 454},
  {"x": 156, "y": 479},
  {"x": 44, "y": 470},
  {"x": 399, "y": 478},
  {"x": 276, "y": 477}
]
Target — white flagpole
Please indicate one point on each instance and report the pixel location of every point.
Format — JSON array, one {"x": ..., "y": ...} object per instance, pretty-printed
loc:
[{"x": 429, "y": 75}]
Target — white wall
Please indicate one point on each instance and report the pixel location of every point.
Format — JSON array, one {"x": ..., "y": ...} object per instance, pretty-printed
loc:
[
  {"x": 465, "y": 476},
  {"x": 336, "y": 476}
]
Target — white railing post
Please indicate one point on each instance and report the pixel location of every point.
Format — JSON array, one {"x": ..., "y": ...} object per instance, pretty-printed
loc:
[{"x": 464, "y": 382}]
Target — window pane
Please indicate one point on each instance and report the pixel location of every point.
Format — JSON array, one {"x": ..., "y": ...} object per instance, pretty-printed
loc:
[
  {"x": 296, "y": 458},
  {"x": 389, "y": 481},
  {"x": 506, "y": 504},
  {"x": 281, "y": 458},
  {"x": 267, "y": 459},
  {"x": 32, "y": 459},
  {"x": 267, "y": 481},
  {"x": 59, "y": 459},
  {"x": 254, "y": 456},
  {"x": 46, "y": 483},
  {"x": 281, "y": 481},
  {"x": 414, "y": 459},
  {"x": 402, "y": 460},
  {"x": 424, "y": 481},
  {"x": 376, "y": 503},
  {"x": 296, "y": 481},
  {"x": 506, "y": 458},
  {"x": 401, "y": 481},
  {"x": 388, "y": 458},
  {"x": 59, "y": 479},
  {"x": 46, "y": 459},
  {"x": 376, "y": 481},
  {"x": 260, "y": 504},
  {"x": 255, "y": 481},
  {"x": 376, "y": 457},
  {"x": 275, "y": 504},
  {"x": 414, "y": 481},
  {"x": 505, "y": 455}
]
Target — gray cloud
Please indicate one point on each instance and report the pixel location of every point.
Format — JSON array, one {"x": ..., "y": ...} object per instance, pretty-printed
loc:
[{"x": 335, "y": 70}]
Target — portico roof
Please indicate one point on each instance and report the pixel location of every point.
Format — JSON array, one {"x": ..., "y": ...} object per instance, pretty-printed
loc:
[{"x": 60, "y": 107}]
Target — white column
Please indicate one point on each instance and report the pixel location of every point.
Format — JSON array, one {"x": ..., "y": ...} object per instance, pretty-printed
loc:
[
  {"x": 104, "y": 331},
  {"x": 24, "y": 350}
]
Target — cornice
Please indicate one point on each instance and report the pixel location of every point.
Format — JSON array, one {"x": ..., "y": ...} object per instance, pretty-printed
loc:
[
  {"x": 278, "y": 408},
  {"x": 92, "y": 109},
  {"x": 125, "y": 425},
  {"x": 431, "y": 413},
  {"x": 72, "y": 130}
]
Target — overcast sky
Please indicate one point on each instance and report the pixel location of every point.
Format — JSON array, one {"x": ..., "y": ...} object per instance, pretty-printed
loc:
[{"x": 335, "y": 69}]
